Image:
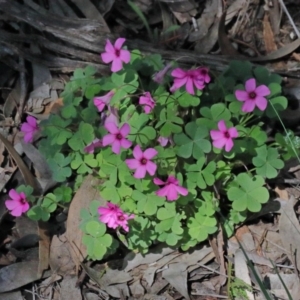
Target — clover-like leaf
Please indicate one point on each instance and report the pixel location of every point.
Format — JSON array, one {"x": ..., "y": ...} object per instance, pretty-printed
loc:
[
  {"x": 147, "y": 203},
  {"x": 247, "y": 193},
  {"x": 59, "y": 166},
  {"x": 212, "y": 115},
  {"x": 201, "y": 175},
  {"x": 194, "y": 142},
  {"x": 267, "y": 162},
  {"x": 49, "y": 202},
  {"x": 186, "y": 100},
  {"x": 201, "y": 225},
  {"x": 63, "y": 194},
  {"x": 82, "y": 137},
  {"x": 169, "y": 121}
]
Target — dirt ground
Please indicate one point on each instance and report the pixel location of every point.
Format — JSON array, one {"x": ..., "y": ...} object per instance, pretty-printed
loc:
[{"x": 41, "y": 43}]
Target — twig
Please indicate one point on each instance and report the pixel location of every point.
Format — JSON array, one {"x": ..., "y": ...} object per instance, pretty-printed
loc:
[{"x": 290, "y": 18}]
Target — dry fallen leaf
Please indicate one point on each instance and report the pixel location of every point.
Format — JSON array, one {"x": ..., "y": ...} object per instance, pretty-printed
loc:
[
  {"x": 17, "y": 275},
  {"x": 82, "y": 199},
  {"x": 289, "y": 230}
]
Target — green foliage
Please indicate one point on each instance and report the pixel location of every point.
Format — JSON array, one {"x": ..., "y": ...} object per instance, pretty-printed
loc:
[
  {"x": 193, "y": 142},
  {"x": 247, "y": 192},
  {"x": 267, "y": 162},
  {"x": 218, "y": 190},
  {"x": 95, "y": 238}
]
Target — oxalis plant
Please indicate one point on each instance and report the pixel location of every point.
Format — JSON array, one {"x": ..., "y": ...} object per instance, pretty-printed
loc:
[{"x": 178, "y": 151}]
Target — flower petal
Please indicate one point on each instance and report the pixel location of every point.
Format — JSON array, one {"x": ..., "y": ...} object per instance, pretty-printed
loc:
[
  {"x": 219, "y": 143},
  {"x": 158, "y": 181},
  {"x": 31, "y": 121},
  {"x": 107, "y": 57},
  {"x": 181, "y": 190},
  {"x": 150, "y": 153},
  {"x": 216, "y": 134},
  {"x": 25, "y": 207},
  {"x": 250, "y": 85},
  {"x": 119, "y": 43},
  {"x": 233, "y": 132},
  {"x": 109, "y": 47},
  {"x": 151, "y": 167},
  {"x": 28, "y": 137},
  {"x": 228, "y": 145},
  {"x": 262, "y": 90},
  {"x": 163, "y": 191},
  {"x": 137, "y": 152},
  {"x": 172, "y": 193},
  {"x": 112, "y": 128},
  {"x": 248, "y": 106},
  {"x": 179, "y": 73},
  {"x": 125, "y": 144},
  {"x": 116, "y": 146},
  {"x": 222, "y": 126},
  {"x": 11, "y": 204},
  {"x": 132, "y": 163},
  {"x": 125, "y": 56},
  {"x": 190, "y": 86},
  {"x": 241, "y": 95},
  {"x": 140, "y": 172},
  {"x": 116, "y": 65},
  {"x": 25, "y": 127},
  {"x": 13, "y": 194},
  {"x": 108, "y": 139},
  {"x": 17, "y": 211},
  {"x": 125, "y": 129},
  {"x": 261, "y": 103}
]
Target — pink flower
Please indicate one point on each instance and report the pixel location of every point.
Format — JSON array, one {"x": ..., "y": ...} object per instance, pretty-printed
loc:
[
  {"x": 160, "y": 75},
  {"x": 90, "y": 148},
  {"x": 113, "y": 216},
  {"x": 108, "y": 215},
  {"x": 17, "y": 204},
  {"x": 163, "y": 141},
  {"x": 142, "y": 162},
  {"x": 29, "y": 128},
  {"x": 113, "y": 116},
  {"x": 204, "y": 73},
  {"x": 148, "y": 101},
  {"x": 171, "y": 188},
  {"x": 188, "y": 78},
  {"x": 100, "y": 102},
  {"x": 253, "y": 96},
  {"x": 223, "y": 136},
  {"x": 122, "y": 220},
  {"x": 115, "y": 54},
  {"x": 116, "y": 137}
]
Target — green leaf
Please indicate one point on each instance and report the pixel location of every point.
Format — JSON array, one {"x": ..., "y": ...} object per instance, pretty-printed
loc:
[
  {"x": 267, "y": 162},
  {"x": 38, "y": 213},
  {"x": 49, "y": 203},
  {"x": 59, "y": 167},
  {"x": 186, "y": 100},
  {"x": 95, "y": 229},
  {"x": 278, "y": 103},
  {"x": 248, "y": 193},
  {"x": 147, "y": 203},
  {"x": 202, "y": 176},
  {"x": 82, "y": 137},
  {"x": 201, "y": 225},
  {"x": 194, "y": 142},
  {"x": 63, "y": 194}
]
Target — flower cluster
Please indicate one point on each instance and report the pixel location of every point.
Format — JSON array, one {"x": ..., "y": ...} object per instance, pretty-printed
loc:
[
  {"x": 142, "y": 161},
  {"x": 114, "y": 217}
]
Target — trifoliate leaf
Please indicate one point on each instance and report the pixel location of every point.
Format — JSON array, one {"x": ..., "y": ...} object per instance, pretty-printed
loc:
[
  {"x": 248, "y": 193},
  {"x": 267, "y": 162},
  {"x": 193, "y": 142}
]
